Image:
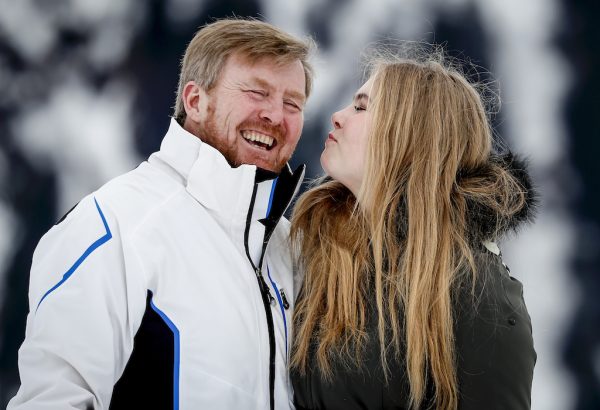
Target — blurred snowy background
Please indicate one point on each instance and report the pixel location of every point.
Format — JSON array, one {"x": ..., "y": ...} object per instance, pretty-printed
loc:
[{"x": 87, "y": 86}]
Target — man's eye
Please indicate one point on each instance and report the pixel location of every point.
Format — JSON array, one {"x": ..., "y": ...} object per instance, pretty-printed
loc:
[
  {"x": 292, "y": 104},
  {"x": 360, "y": 108},
  {"x": 260, "y": 93}
]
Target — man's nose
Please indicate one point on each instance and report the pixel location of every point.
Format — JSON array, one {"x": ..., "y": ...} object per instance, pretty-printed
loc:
[{"x": 272, "y": 113}]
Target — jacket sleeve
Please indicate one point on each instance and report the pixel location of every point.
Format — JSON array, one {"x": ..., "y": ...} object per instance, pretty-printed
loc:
[
  {"x": 84, "y": 307},
  {"x": 494, "y": 342}
]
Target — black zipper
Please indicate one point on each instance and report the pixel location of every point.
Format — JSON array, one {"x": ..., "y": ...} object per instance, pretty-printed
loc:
[
  {"x": 267, "y": 300},
  {"x": 286, "y": 304}
]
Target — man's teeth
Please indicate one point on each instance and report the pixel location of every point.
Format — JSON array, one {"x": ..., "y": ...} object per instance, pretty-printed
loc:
[{"x": 254, "y": 136}]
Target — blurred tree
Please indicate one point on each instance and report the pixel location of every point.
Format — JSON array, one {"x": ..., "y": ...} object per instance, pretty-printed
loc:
[{"x": 579, "y": 42}]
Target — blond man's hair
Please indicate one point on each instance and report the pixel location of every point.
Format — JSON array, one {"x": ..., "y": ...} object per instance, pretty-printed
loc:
[{"x": 208, "y": 51}]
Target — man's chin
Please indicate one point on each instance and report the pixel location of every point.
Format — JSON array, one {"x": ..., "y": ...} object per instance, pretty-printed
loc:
[
  {"x": 270, "y": 167},
  {"x": 263, "y": 163}
]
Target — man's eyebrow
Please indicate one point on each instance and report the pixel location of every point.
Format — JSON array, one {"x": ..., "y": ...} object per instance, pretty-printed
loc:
[
  {"x": 261, "y": 83},
  {"x": 295, "y": 95}
]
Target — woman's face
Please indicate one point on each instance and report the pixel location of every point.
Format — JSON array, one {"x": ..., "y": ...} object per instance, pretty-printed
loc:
[{"x": 345, "y": 151}]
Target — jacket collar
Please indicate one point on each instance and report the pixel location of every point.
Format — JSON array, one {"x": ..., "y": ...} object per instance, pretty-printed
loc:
[
  {"x": 227, "y": 192},
  {"x": 204, "y": 171}
]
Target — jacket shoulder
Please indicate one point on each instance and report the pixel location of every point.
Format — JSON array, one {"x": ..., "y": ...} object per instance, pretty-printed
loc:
[
  {"x": 494, "y": 344},
  {"x": 131, "y": 197}
]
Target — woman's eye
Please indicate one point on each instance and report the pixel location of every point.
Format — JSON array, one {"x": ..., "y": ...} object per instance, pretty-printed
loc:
[{"x": 359, "y": 108}]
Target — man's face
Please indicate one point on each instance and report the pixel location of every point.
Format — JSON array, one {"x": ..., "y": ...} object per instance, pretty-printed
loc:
[{"x": 254, "y": 113}]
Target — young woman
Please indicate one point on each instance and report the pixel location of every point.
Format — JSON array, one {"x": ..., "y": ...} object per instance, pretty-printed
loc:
[{"x": 405, "y": 301}]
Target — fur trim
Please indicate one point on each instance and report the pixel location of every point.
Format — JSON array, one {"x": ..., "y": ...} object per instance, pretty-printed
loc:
[{"x": 483, "y": 221}]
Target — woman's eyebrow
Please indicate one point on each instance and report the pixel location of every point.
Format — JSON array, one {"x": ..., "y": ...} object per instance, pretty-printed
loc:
[{"x": 360, "y": 97}]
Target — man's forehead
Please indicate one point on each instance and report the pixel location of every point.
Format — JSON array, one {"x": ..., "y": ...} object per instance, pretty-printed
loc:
[
  {"x": 261, "y": 73},
  {"x": 290, "y": 91}
]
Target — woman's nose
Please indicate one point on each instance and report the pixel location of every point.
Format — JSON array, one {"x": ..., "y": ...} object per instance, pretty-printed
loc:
[{"x": 336, "y": 119}]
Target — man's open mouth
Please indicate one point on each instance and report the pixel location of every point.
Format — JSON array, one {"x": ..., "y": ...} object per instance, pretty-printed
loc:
[{"x": 259, "y": 140}]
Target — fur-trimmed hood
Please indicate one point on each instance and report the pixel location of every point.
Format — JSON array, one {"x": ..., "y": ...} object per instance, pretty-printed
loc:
[{"x": 484, "y": 221}]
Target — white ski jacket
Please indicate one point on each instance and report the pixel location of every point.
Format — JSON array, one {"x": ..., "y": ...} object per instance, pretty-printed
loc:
[{"x": 168, "y": 288}]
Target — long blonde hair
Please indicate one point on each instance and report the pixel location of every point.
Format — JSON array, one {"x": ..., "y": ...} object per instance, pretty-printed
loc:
[{"x": 405, "y": 235}]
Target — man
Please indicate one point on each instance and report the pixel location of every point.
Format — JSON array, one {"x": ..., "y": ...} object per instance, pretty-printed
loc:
[{"x": 170, "y": 286}]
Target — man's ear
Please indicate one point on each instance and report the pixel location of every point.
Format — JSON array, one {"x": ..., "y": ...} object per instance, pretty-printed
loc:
[{"x": 194, "y": 101}]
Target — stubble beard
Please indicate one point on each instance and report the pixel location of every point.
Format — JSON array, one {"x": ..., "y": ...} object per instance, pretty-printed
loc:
[{"x": 210, "y": 133}]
